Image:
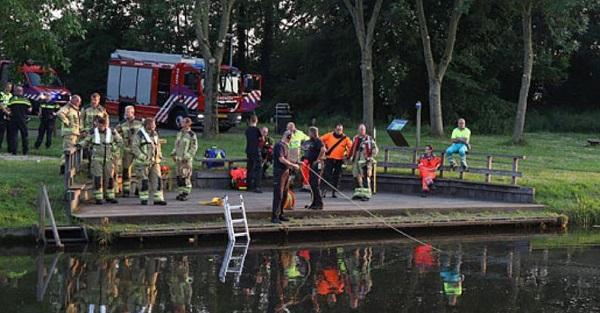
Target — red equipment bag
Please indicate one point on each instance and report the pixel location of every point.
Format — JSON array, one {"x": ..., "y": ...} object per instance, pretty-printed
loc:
[{"x": 238, "y": 178}]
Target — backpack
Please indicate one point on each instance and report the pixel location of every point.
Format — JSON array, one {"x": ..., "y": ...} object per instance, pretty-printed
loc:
[
  {"x": 214, "y": 153},
  {"x": 238, "y": 178}
]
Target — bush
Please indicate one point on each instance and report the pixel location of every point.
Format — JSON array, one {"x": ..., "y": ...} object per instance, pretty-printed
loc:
[{"x": 563, "y": 121}]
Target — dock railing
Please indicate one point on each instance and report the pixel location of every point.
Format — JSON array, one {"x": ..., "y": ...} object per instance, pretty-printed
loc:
[{"x": 408, "y": 158}]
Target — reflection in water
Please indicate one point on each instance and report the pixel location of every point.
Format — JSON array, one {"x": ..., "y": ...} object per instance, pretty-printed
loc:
[{"x": 497, "y": 276}]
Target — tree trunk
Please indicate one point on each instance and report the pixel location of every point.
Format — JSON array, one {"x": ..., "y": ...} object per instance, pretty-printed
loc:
[
  {"x": 211, "y": 120},
  {"x": 365, "y": 33},
  {"x": 436, "y": 72},
  {"x": 366, "y": 69},
  {"x": 517, "y": 136},
  {"x": 435, "y": 107},
  {"x": 240, "y": 29},
  {"x": 266, "y": 47}
]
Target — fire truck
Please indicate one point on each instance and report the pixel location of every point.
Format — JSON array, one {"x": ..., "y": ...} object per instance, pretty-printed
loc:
[
  {"x": 169, "y": 87},
  {"x": 40, "y": 84}
]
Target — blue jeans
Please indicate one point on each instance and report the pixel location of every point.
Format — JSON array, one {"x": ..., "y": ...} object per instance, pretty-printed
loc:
[{"x": 459, "y": 148}]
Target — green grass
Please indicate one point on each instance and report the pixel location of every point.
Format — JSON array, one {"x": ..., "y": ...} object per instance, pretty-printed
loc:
[
  {"x": 563, "y": 170},
  {"x": 19, "y": 185}
]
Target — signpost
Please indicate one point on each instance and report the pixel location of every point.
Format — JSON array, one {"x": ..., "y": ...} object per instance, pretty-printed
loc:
[{"x": 418, "y": 106}]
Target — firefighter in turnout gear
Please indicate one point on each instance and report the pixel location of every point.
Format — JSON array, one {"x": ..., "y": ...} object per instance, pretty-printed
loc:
[
  {"x": 19, "y": 107},
  {"x": 47, "y": 116},
  {"x": 146, "y": 148},
  {"x": 128, "y": 130},
  {"x": 92, "y": 113},
  {"x": 183, "y": 153},
  {"x": 69, "y": 116},
  {"x": 5, "y": 96},
  {"x": 364, "y": 151},
  {"x": 102, "y": 142}
]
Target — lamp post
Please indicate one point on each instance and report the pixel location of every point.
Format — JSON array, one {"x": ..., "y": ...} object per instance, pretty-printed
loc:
[{"x": 418, "y": 106}]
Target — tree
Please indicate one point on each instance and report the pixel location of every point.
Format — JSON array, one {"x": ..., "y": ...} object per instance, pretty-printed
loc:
[
  {"x": 436, "y": 72},
  {"x": 526, "y": 8},
  {"x": 36, "y": 29},
  {"x": 212, "y": 52},
  {"x": 365, "y": 37}
]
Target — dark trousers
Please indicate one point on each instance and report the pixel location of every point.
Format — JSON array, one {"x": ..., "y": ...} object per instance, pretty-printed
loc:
[
  {"x": 332, "y": 173},
  {"x": 46, "y": 129},
  {"x": 313, "y": 180},
  {"x": 14, "y": 128},
  {"x": 3, "y": 130},
  {"x": 254, "y": 171},
  {"x": 281, "y": 185}
]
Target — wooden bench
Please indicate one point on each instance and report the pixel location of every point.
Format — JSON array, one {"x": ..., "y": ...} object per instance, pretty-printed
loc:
[
  {"x": 227, "y": 161},
  {"x": 488, "y": 171},
  {"x": 593, "y": 141}
]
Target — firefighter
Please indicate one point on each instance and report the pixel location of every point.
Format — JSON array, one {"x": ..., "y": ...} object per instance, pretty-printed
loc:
[
  {"x": 128, "y": 129},
  {"x": 183, "y": 153},
  {"x": 102, "y": 142},
  {"x": 146, "y": 148},
  {"x": 69, "y": 116},
  {"x": 47, "y": 116},
  {"x": 5, "y": 96},
  {"x": 93, "y": 112},
  {"x": 364, "y": 151},
  {"x": 18, "y": 108}
]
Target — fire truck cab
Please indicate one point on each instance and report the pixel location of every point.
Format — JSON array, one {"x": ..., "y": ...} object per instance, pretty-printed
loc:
[
  {"x": 40, "y": 84},
  {"x": 169, "y": 87}
]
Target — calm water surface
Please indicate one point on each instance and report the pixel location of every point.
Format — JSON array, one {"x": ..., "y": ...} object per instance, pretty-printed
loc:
[{"x": 549, "y": 273}]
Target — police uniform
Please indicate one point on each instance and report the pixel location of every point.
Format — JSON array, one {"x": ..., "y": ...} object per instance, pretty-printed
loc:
[
  {"x": 184, "y": 151},
  {"x": 90, "y": 114},
  {"x": 4, "y": 99},
  {"x": 47, "y": 123},
  {"x": 146, "y": 149},
  {"x": 19, "y": 107},
  {"x": 102, "y": 145},
  {"x": 128, "y": 130}
]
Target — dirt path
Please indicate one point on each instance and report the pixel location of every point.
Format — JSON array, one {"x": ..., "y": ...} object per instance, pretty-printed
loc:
[{"x": 36, "y": 158}]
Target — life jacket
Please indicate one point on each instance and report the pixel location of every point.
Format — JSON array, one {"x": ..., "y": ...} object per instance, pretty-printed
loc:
[
  {"x": 238, "y": 178},
  {"x": 214, "y": 153},
  {"x": 357, "y": 146}
]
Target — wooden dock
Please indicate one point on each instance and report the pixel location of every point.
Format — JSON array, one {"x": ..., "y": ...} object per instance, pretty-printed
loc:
[{"x": 130, "y": 219}]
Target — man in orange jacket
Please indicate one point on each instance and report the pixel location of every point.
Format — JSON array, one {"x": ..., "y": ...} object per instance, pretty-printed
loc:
[
  {"x": 428, "y": 166},
  {"x": 338, "y": 146}
]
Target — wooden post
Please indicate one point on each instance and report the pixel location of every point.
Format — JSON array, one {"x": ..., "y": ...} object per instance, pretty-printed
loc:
[
  {"x": 386, "y": 159},
  {"x": 442, "y": 164},
  {"x": 488, "y": 176},
  {"x": 42, "y": 215},
  {"x": 515, "y": 168},
  {"x": 414, "y": 159},
  {"x": 46, "y": 200}
]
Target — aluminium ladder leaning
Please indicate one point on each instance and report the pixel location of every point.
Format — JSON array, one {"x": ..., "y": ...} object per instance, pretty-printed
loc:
[
  {"x": 235, "y": 263},
  {"x": 231, "y": 222}
]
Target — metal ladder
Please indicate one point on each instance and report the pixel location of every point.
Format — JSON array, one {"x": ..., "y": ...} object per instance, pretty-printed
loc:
[
  {"x": 235, "y": 263},
  {"x": 232, "y": 222}
]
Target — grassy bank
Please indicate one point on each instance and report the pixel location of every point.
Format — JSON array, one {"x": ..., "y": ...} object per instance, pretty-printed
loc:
[{"x": 563, "y": 170}]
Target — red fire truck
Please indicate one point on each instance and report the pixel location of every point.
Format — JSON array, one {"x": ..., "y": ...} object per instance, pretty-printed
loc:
[{"x": 169, "y": 87}]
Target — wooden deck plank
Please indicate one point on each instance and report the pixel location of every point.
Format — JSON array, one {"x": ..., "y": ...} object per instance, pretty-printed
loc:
[{"x": 260, "y": 205}]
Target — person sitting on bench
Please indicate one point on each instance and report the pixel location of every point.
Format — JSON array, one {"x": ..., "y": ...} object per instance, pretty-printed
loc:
[
  {"x": 460, "y": 144},
  {"x": 428, "y": 166}
]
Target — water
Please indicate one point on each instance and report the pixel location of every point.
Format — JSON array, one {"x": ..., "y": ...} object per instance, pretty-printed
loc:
[{"x": 500, "y": 273}]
